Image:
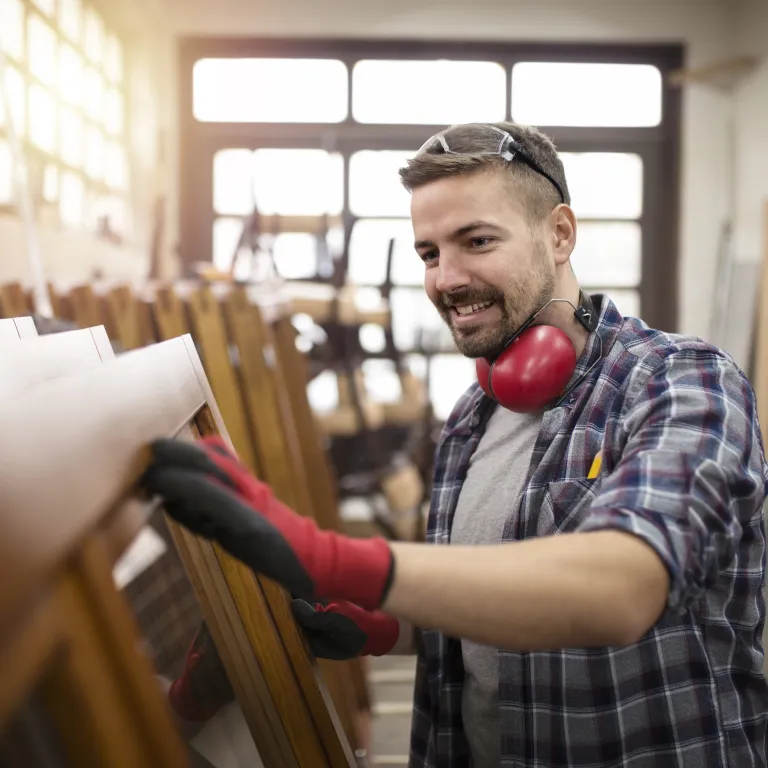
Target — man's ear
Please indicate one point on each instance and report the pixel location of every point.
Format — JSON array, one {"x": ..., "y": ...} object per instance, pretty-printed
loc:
[{"x": 563, "y": 228}]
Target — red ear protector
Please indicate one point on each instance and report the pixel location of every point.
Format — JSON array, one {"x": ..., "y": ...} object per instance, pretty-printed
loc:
[{"x": 536, "y": 364}]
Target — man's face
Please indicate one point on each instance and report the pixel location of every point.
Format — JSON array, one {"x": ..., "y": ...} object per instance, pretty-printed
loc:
[{"x": 485, "y": 271}]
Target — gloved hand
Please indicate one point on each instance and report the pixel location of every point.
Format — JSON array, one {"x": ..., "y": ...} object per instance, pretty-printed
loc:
[
  {"x": 338, "y": 631},
  {"x": 207, "y": 490},
  {"x": 203, "y": 687},
  {"x": 341, "y": 630}
]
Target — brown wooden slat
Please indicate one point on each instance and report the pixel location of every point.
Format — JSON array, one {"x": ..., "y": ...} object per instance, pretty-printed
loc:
[
  {"x": 210, "y": 333},
  {"x": 13, "y": 301}
]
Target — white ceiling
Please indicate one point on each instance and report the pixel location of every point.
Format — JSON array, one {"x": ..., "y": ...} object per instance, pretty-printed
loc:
[{"x": 482, "y": 19}]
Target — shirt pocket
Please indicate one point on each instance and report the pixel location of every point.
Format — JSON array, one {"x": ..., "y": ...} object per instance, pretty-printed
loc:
[{"x": 566, "y": 505}]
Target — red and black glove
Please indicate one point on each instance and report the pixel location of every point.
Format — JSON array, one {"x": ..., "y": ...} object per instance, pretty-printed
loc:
[
  {"x": 341, "y": 630},
  {"x": 203, "y": 687},
  {"x": 207, "y": 490}
]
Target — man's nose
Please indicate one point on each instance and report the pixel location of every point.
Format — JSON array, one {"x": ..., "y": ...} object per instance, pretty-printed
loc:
[{"x": 450, "y": 275}]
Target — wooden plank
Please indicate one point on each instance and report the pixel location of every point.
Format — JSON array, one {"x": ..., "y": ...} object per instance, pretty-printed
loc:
[
  {"x": 13, "y": 301},
  {"x": 47, "y": 358},
  {"x": 760, "y": 373},
  {"x": 87, "y": 310},
  {"x": 265, "y": 681},
  {"x": 9, "y": 331},
  {"x": 292, "y": 676},
  {"x": 120, "y": 407},
  {"x": 16, "y": 328},
  {"x": 125, "y": 317},
  {"x": 280, "y": 455},
  {"x": 210, "y": 333},
  {"x": 169, "y": 313}
]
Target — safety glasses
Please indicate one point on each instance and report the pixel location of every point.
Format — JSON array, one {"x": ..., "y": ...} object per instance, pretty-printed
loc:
[{"x": 507, "y": 148}]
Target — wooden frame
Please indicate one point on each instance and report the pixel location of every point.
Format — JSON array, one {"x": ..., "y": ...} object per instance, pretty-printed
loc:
[
  {"x": 16, "y": 328},
  {"x": 274, "y": 677},
  {"x": 227, "y": 322}
]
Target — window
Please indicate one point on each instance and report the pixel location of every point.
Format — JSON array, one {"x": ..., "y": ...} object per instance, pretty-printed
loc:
[
  {"x": 588, "y": 94},
  {"x": 428, "y": 92},
  {"x": 369, "y": 247},
  {"x": 65, "y": 83},
  {"x": 604, "y": 185},
  {"x": 270, "y": 90},
  {"x": 374, "y": 186},
  {"x": 368, "y": 105}
]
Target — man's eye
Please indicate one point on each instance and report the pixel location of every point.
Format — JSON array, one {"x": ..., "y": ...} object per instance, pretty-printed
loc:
[
  {"x": 429, "y": 255},
  {"x": 481, "y": 242}
]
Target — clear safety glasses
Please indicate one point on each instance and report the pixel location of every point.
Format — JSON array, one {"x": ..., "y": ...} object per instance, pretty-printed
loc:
[{"x": 506, "y": 148}]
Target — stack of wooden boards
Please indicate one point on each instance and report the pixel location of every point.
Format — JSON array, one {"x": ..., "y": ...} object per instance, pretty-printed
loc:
[
  {"x": 218, "y": 316},
  {"x": 76, "y": 423}
]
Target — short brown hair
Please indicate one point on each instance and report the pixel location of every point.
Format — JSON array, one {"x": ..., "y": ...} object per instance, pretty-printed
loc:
[{"x": 537, "y": 194}]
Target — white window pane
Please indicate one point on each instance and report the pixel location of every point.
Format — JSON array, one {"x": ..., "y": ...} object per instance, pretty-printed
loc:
[
  {"x": 372, "y": 338},
  {"x": 295, "y": 255},
  {"x": 12, "y": 26},
  {"x": 94, "y": 36},
  {"x": 232, "y": 193},
  {"x": 16, "y": 95},
  {"x": 298, "y": 182},
  {"x": 107, "y": 214},
  {"x": 374, "y": 185},
  {"x": 369, "y": 246},
  {"x": 416, "y": 365},
  {"x": 449, "y": 377},
  {"x": 608, "y": 253},
  {"x": 95, "y": 154},
  {"x": 627, "y": 302},
  {"x": 72, "y": 199},
  {"x": 428, "y": 92},
  {"x": 46, "y": 6},
  {"x": 95, "y": 95},
  {"x": 323, "y": 392},
  {"x": 382, "y": 384},
  {"x": 116, "y": 166},
  {"x": 586, "y": 94},
  {"x": 51, "y": 183},
  {"x": 42, "y": 118},
  {"x": 114, "y": 112},
  {"x": 41, "y": 40},
  {"x": 72, "y": 137},
  {"x": 71, "y": 19},
  {"x": 270, "y": 90},
  {"x": 72, "y": 75},
  {"x": 6, "y": 174},
  {"x": 226, "y": 233},
  {"x": 413, "y": 313},
  {"x": 607, "y": 185},
  {"x": 113, "y": 60}
]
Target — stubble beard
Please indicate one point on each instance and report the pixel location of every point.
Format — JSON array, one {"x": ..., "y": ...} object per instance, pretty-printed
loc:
[{"x": 516, "y": 305}]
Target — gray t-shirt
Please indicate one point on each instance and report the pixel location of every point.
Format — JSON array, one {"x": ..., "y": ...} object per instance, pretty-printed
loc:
[{"x": 489, "y": 495}]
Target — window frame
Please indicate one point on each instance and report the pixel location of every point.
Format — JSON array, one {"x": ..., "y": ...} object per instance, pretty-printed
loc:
[
  {"x": 39, "y": 159},
  {"x": 658, "y": 146}
]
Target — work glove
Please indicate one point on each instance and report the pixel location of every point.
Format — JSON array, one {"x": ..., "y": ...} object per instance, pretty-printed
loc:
[
  {"x": 340, "y": 630},
  {"x": 206, "y": 489}
]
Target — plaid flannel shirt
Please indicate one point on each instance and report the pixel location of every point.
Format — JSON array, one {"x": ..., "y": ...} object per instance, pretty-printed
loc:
[{"x": 683, "y": 468}]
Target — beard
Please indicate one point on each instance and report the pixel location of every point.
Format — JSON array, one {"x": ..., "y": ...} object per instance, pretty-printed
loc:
[{"x": 516, "y": 304}]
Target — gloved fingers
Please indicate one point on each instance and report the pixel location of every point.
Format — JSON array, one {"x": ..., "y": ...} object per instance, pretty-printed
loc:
[
  {"x": 304, "y": 613},
  {"x": 210, "y": 510},
  {"x": 168, "y": 452}
]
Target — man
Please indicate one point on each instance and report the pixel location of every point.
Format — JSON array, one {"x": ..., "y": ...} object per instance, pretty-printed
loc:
[{"x": 591, "y": 589}]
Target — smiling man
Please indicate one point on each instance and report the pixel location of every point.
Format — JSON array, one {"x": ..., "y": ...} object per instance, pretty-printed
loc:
[{"x": 590, "y": 593}]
